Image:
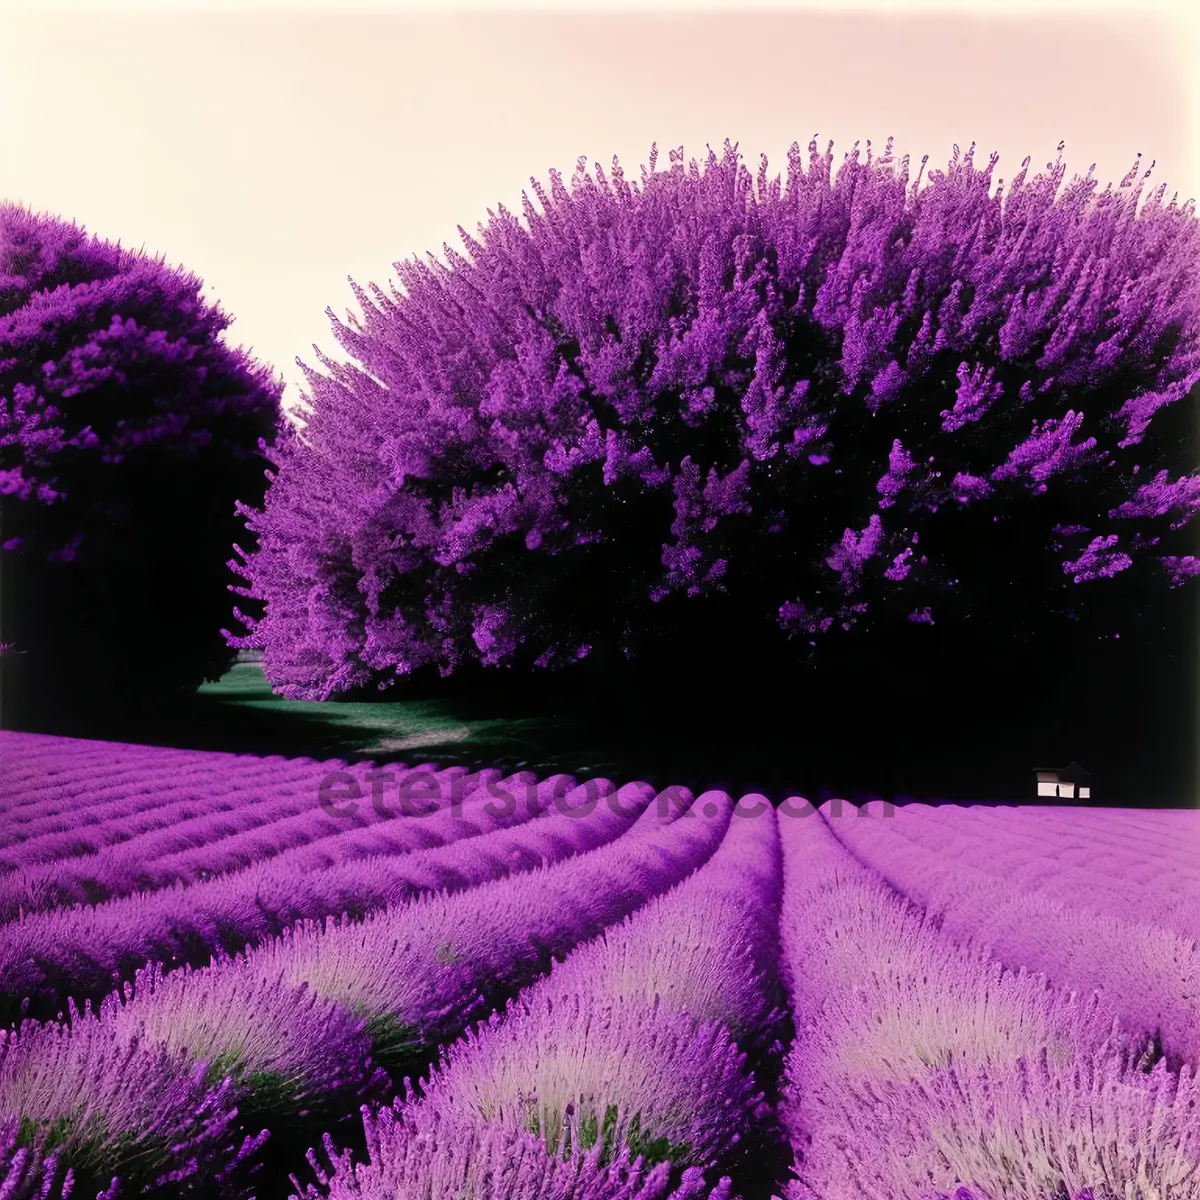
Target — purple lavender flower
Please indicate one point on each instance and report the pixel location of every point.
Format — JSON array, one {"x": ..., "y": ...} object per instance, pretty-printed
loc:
[
  {"x": 672, "y": 952},
  {"x": 1181, "y": 568},
  {"x": 966, "y": 1193},
  {"x": 24, "y": 1173},
  {"x": 1015, "y": 888},
  {"x": 636, "y": 1074},
  {"x": 285, "y": 1048},
  {"x": 109, "y": 1107},
  {"x": 421, "y": 971},
  {"x": 653, "y": 394},
  {"x": 1099, "y": 1127},
  {"x": 166, "y": 845},
  {"x": 629, "y": 1042},
  {"x": 80, "y": 951},
  {"x": 293, "y": 1026},
  {"x": 414, "y": 1151}
]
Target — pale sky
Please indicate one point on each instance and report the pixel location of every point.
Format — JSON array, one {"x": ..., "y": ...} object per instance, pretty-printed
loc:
[{"x": 279, "y": 148}]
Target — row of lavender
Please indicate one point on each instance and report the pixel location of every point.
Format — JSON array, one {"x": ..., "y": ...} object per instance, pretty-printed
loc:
[
  {"x": 925, "y": 1061},
  {"x": 1104, "y": 901},
  {"x": 177, "y": 870},
  {"x": 921, "y": 1066},
  {"x": 929, "y": 1063},
  {"x": 301, "y": 1026}
]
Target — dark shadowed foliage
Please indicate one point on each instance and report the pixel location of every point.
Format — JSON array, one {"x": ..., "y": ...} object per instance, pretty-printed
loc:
[{"x": 128, "y": 430}]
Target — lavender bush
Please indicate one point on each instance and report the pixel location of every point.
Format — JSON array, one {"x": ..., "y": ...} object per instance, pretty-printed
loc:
[
  {"x": 712, "y": 401},
  {"x": 638, "y": 1073},
  {"x": 422, "y": 971},
  {"x": 635, "y": 1031},
  {"x": 417, "y": 1152},
  {"x": 106, "y": 1108},
  {"x": 674, "y": 951},
  {"x": 128, "y": 429},
  {"x": 299, "y": 1025},
  {"x": 211, "y": 844},
  {"x": 603, "y": 990},
  {"x": 1096, "y": 862}
]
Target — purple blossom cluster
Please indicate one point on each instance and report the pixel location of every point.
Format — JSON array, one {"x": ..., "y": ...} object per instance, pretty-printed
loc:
[
  {"x": 434, "y": 964},
  {"x": 637, "y": 1073},
  {"x": 25, "y": 1175},
  {"x": 417, "y": 1151},
  {"x": 84, "y": 319},
  {"x": 118, "y": 1108},
  {"x": 98, "y": 793},
  {"x": 965, "y": 1193},
  {"x": 673, "y": 953},
  {"x": 640, "y": 1023},
  {"x": 158, "y": 848},
  {"x": 1100, "y": 866},
  {"x": 287, "y": 1049},
  {"x": 120, "y": 406},
  {"x": 295, "y": 1027},
  {"x": 655, "y": 392}
]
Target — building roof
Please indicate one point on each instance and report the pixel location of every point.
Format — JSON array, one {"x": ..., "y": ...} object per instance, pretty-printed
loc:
[{"x": 1071, "y": 773}]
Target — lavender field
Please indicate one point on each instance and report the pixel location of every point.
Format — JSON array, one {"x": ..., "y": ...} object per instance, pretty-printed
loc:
[
  {"x": 229, "y": 975},
  {"x": 634, "y": 520}
]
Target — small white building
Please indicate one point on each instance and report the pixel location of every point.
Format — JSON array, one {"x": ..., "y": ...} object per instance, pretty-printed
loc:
[{"x": 1065, "y": 783}]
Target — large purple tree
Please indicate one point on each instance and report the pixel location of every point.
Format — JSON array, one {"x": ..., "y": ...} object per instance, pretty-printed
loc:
[
  {"x": 128, "y": 430},
  {"x": 722, "y": 411}
]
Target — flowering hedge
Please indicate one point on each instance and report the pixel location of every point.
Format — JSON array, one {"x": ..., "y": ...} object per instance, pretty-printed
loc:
[
  {"x": 812, "y": 405},
  {"x": 128, "y": 429}
]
